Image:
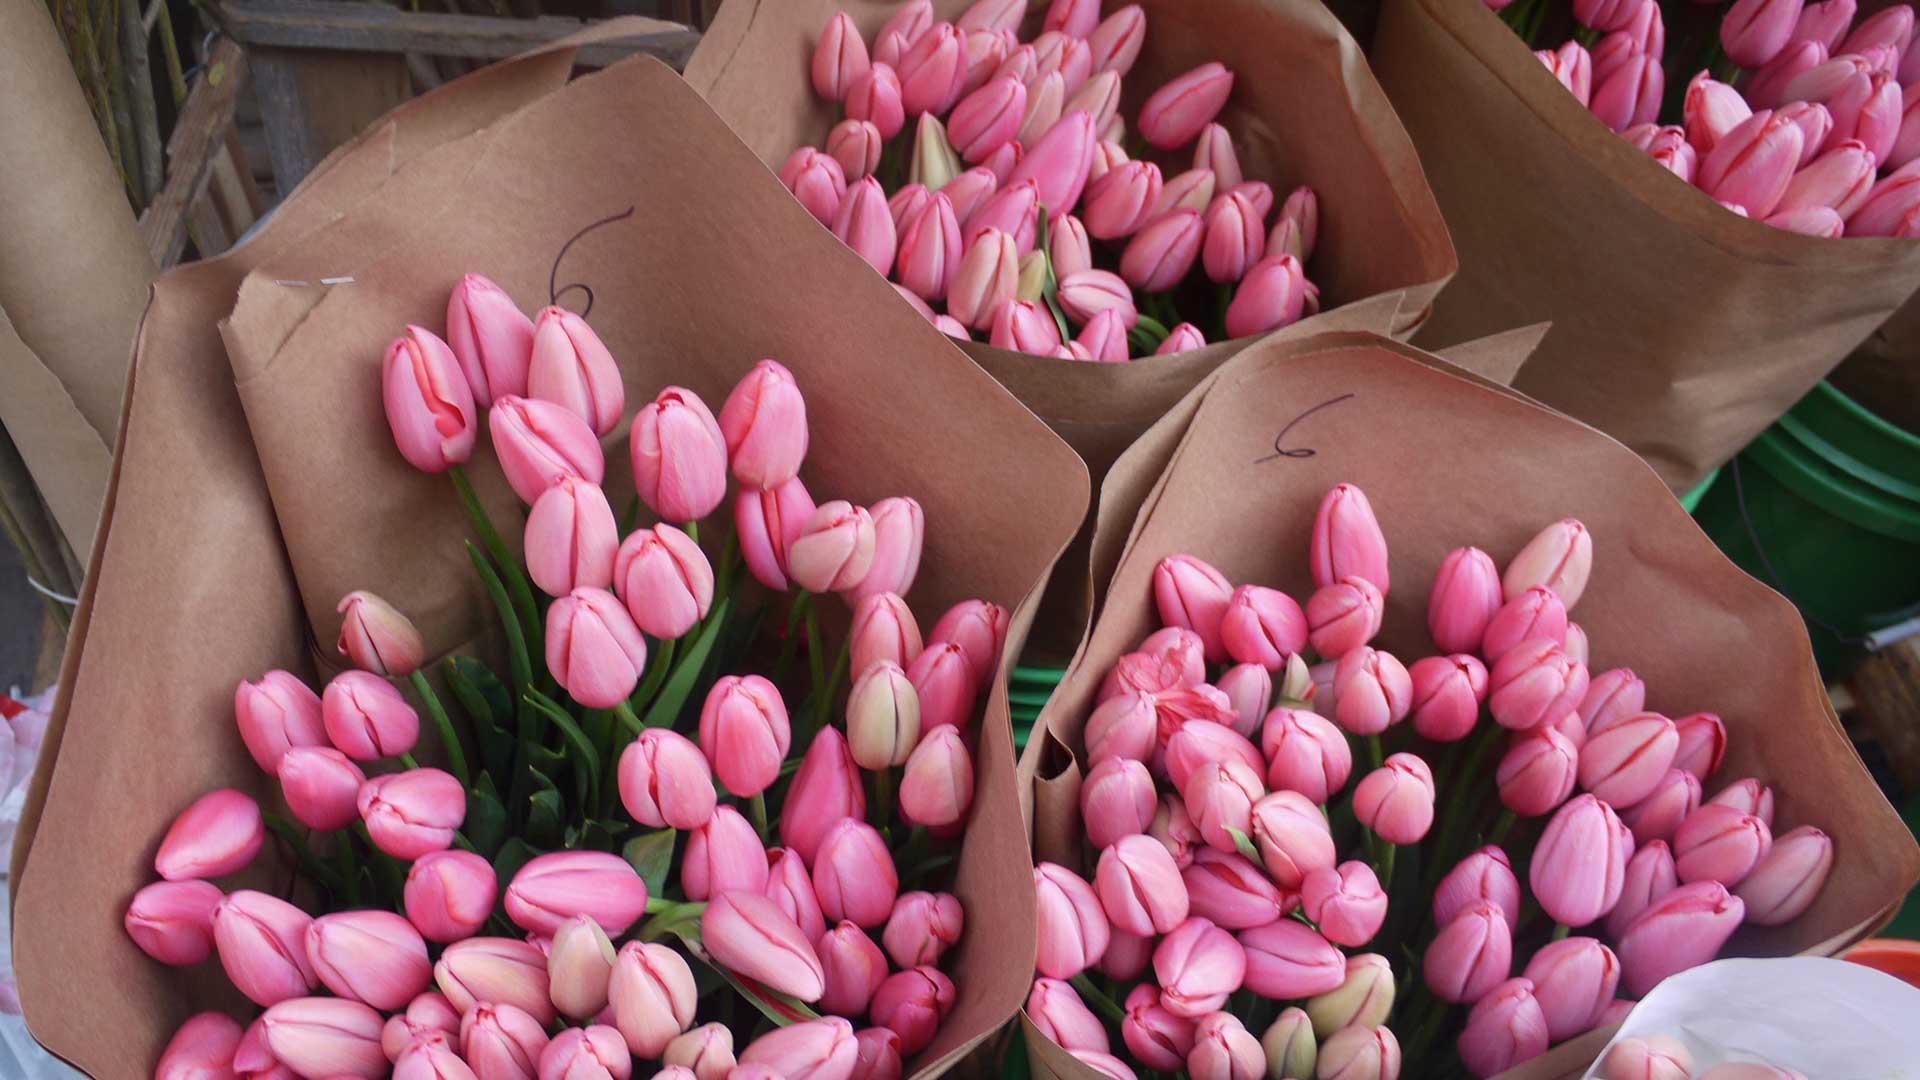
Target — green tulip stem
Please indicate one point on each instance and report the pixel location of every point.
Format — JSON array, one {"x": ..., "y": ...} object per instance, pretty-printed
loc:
[
  {"x": 1385, "y": 865},
  {"x": 408, "y": 761},
  {"x": 1223, "y": 299},
  {"x": 823, "y": 709},
  {"x": 1154, "y": 327},
  {"x": 1560, "y": 931},
  {"x": 693, "y": 531},
  {"x": 510, "y": 569},
  {"x": 626, "y": 714},
  {"x": 456, "y": 757},
  {"x": 882, "y": 810},
  {"x": 1502, "y": 827},
  {"x": 1374, "y": 753},
  {"x": 1098, "y": 998},
  {"x": 816, "y": 667},
  {"x": 757, "y": 813}
]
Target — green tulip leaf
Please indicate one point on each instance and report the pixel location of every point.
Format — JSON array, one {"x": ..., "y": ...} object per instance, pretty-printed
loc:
[
  {"x": 486, "y": 824},
  {"x": 514, "y": 854},
  {"x": 546, "y": 813},
  {"x": 673, "y": 695},
  {"x": 652, "y": 856},
  {"x": 782, "y": 1009},
  {"x": 489, "y": 704},
  {"x": 586, "y": 760}
]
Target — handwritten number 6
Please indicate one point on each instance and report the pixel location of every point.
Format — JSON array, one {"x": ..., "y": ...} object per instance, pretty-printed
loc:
[
  {"x": 555, "y": 290},
  {"x": 1281, "y": 450}
]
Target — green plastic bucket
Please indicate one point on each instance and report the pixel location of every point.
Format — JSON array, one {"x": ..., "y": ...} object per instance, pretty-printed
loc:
[
  {"x": 1831, "y": 501},
  {"x": 1027, "y": 694},
  {"x": 1691, "y": 500}
]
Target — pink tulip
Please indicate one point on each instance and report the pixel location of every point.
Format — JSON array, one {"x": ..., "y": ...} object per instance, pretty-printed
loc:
[
  {"x": 930, "y": 250},
  {"x": 1580, "y": 863},
  {"x": 1059, "y": 161},
  {"x": 936, "y": 787},
  {"x": 571, "y": 538},
  {"x": 275, "y": 715},
  {"x": 853, "y": 968},
  {"x": 1305, "y": 753},
  {"x": 172, "y": 921},
  {"x": 1703, "y": 743},
  {"x": 873, "y": 96},
  {"x": 1535, "y": 613},
  {"x": 1669, "y": 149},
  {"x": 978, "y": 628},
  {"x": 1612, "y": 53},
  {"x": 1063, "y": 1018},
  {"x": 1534, "y": 683},
  {"x": 876, "y": 1055},
  {"x": 1815, "y": 124},
  {"x": 813, "y": 176},
  {"x": 834, "y": 549},
  {"x": 1198, "y": 965},
  {"x": 1506, "y": 1028},
  {"x": 1185, "y": 337},
  {"x": 251, "y": 1059},
  {"x": 1876, "y": 123},
  {"x": 1159, "y": 255},
  {"x": 412, "y": 813},
  {"x": 539, "y": 442},
  {"x": 1754, "y": 31},
  {"x": 1573, "y": 980},
  {"x": 911, "y": 21},
  {"x": 1752, "y": 165},
  {"x": 912, "y": 1005},
  {"x": 767, "y": 523},
  {"x": 1175, "y": 830},
  {"x": 986, "y": 51},
  {"x": 1070, "y": 250},
  {"x": 1140, "y": 888},
  {"x": 987, "y": 119},
  {"x": 325, "y": 1037},
  {"x": 933, "y": 71},
  {"x": 1612, "y": 696},
  {"x": 1298, "y": 226},
  {"x": 1214, "y": 152},
  {"x": 1630, "y": 93},
  {"x": 1447, "y": 694},
  {"x": 1249, "y": 689},
  {"x": 205, "y": 1046},
  {"x": 946, "y": 684},
  {"x": 1720, "y": 843},
  {"x": 1122, "y": 727},
  {"x": 1788, "y": 877},
  {"x": 856, "y": 145},
  {"x": 1466, "y": 594},
  {"x": 502, "y": 1041},
  {"x": 1605, "y": 15},
  {"x": 594, "y": 648},
  {"x": 1650, "y": 875},
  {"x": 1286, "y": 959},
  {"x": 1025, "y": 327},
  {"x": 1817, "y": 221},
  {"x": 1826, "y": 23},
  {"x": 1197, "y": 745},
  {"x": 680, "y": 456},
  {"x": 504, "y": 971},
  {"x": 1537, "y": 773},
  {"x": 853, "y": 875},
  {"x": 1344, "y": 616},
  {"x": 790, "y": 887},
  {"x": 1623, "y": 763},
  {"x": 1013, "y": 209},
  {"x": 1658, "y": 816},
  {"x": 1223, "y": 1049},
  {"x": 985, "y": 280},
  {"x": 1123, "y": 200},
  {"x": 705, "y": 1051},
  {"x": 592, "y": 1053},
  {"x": 1346, "y": 902},
  {"x": 724, "y": 855},
  {"x": 579, "y": 966},
  {"x": 838, "y": 57},
  {"x": 751, "y": 936},
  {"x": 1396, "y": 800},
  {"x": 1470, "y": 956},
  {"x": 826, "y": 789},
  {"x": 1274, "y": 293},
  {"x": 375, "y": 957},
  {"x": 1712, "y": 109},
  {"x": 219, "y": 834},
  {"x": 551, "y": 889},
  {"x": 1373, "y": 691},
  {"x": 1767, "y": 89},
  {"x": 1157, "y": 1038},
  {"x": 1892, "y": 209},
  {"x": 491, "y": 338},
  {"x": 883, "y": 717},
  {"x": 1073, "y": 926},
  {"x": 429, "y": 402},
  {"x": 571, "y": 367},
  {"x": 376, "y": 637},
  {"x": 1220, "y": 796},
  {"x": 1558, "y": 557},
  {"x": 819, "y": 1049},
  {"x": 1749, "y": 796},
  {"x": 1484, "y": 876},
  {"x": 1576, "y": 645},
  {"x": 1655, "y": 1058},
  {"x": 1236, "y": 238},
  {"x": 1098, "y": 97},
  {"x": 652, "y": 995},
  {"x": 1191, "y": 190},
  {"x": 665, "y": 580},
  {"x": 1088, "y": 293},
  {"x": 865, "y": 224},
  {"x": 1066, "y": 54},
  {"x": 1572, "y": 66},
  {"x": 1174, "y": 116},
  {"x": 449, "y": 895},
  {"x": 1170, "y": 658},
  {"x": 1906, "y": 142},
  {"x": 883, "y": 630},
  {"x": 1681, "y": 930},
  {"x": 1233, "y": 892},
  {"x": 1193, "y": 595},
  {"x": 1364, "y": 999},
  {"x": 921, "y": 927},
  {"x": 367, "y": 718},
  {"x": 1046, "y": 101}
]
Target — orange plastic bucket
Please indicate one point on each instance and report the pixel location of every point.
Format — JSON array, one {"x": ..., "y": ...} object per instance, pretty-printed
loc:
[{"x": 1900, "y": 959}]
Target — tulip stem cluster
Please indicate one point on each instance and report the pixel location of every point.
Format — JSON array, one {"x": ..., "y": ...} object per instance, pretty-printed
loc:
[
  {"x": 449, "y": 739},
  {"x": 515, "y": 577}
]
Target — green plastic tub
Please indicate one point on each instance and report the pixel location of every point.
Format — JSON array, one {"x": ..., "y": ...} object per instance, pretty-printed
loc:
[
  {"x": 1831, "y": 499},
  {"x": 1027, "y": 694}
]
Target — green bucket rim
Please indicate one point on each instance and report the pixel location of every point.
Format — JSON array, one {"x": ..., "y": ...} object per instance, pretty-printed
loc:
[
  {"x": 1691, "y": 500},
  {"x": 1857, "y": 441},
  {"x": 1799, "y": 468},
  {"x": 1038, "y": 676}
]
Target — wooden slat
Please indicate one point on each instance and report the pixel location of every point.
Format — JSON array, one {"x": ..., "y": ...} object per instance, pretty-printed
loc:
[
  {"x": 202, "y": 126},
  {"x": 312, "y": 100},
  {"x": 1886, "y": 698},
  {"x": 364, "y": 27}
]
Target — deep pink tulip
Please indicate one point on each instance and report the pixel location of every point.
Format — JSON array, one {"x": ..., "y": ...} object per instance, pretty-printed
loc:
[
  {"x": 252, "y": 1060},
  {"x": 745, "y": 733},
  {"x": 429, "y": 402},
  {"x": 1274, "y": 293},
  {"x": 1630, "y": 93},
  {"x": 1470, "y": 956},
  {"x": 1156, "y": 1037},
  {"x": 910, "y": 20},
  {"x": 1537, "y": 773},
  {"x": 1826, "y": 23},
  {"x": 1170, "y": 658},
  {"x": 1754, "y": 31},
  {"x": 767, "y": 523},
  {"x": 1466, "y": 594},
  {"x": 986, "y": 51},
  {"x": 367, "y": 718},
  {"x": 504, "y": 971},
  {"x": 979, "y": 628},
  {"x": 1447, "y": 694},
  {"x": 219, "y": 834},
  {"x": 172, "y": 921},
  {"x": 326, "y": 1037},
  {"x": 413, "y": 813},
  {"x": 1623, "y": 763},
  {"x": 449, "y": 895},
  {"x": 865, "y": 224},
  {"x": 1073, "y": 926},
  {"x": 1650, "y": 875},
  {"x": 1220, "y": 796},
  {"x": 1196, "y": 745},
  {"x": 1193, "y": 595},
  {"x": 1122, "y": 200},
  {"x": 1612, "y": 696},
  {"x": 491, "y": 337},
  {"x": 1769, "y": 86},
  {"x": 1658, "y": 816},
  {"x": 1611, "y": 53},
  {"x": 1059, "y": 161},
  {"x": 1159, "y": 255},
  {"x": 1605, "y": 15},
  {"x": 1892, "y": 208},
  {"x": 723, "y": 855},
  {"x": 375, "y": 957},
  {"x": 1788, "y": 877},
  {"x": 1198, "y": 965},
  {"x": 1263, "y": 626},
  {"x": 838, "y": 57},
  {"x": 1373, "y": 691},
  {"x": 1815, "y": 124},
  {"x": 912, "y": 1004},
  {"x": 376, "y": 637},
  {"x": 594, "y": 649},
  {"x": 922, "y": 927},
  {"x": 1140, "y": 888},
  {"x": 856, "y": 145},
  {"x": 1753, "y": 163},
  {"x": 936, "y": 787},
  {"x": 873, "y": 96},
  {"x": 1572, "y": 67},
  {"x": 1534, "y": 683},
  {"x": 665, "y": 581},
  {"x": 876, "y": 1055},
  {"x": 1346, "y": 902},
  {"x": 1174, "y": 116},
  {"x": 933, "y": 71},
  {"x": 854, "y": 876},
  {"x": 1573, "y": 980},
  {"x": 825, "y": 789},
  {"x": 854, "y": 967},
  {"x": 1712, "y": 108},
  {"x": 1681, "y": 930},
  {"x": 1535, "y": 613},
  {"x": 1720, "y": 843},
  {"x": 930, "y": 250},
  {"x": 1288, "y": 960},
  {"x": 1066, "y": 54},
  {"x": 1505, "y": 1028},
  {"x": 1231, "y": 891},
  {"x": 571, "y": 537},
  {"x": 1580, "y": 863},
  {"x": 538, "y": 442},
  {"x": 1749, "y": 796},
  {"x": 1061, "y": 1016},
  {"x": 750, "y": 935},
  {"x": 1703, "y": 743},
  {"x": 946, "y": 683},
  {"x": 275, "y": 715},
  {"x": 1484, "y": 876},
  {"x": 790, "y": 887},
  {"x": 1185, "y": 337},
  {"x": 1396, "y": 800},
  {"x": 571, "y": 367},
  {"x": 553, "y": 888},
  {"x": 680, "y": 457},
  {"x": 1116, "y": 799},
  {"x": 652, "y": 996},
  {"x": 883, "y": 629},
  {"x": 592, "y": 1053},
  {"x": 1306, "y": 753}
]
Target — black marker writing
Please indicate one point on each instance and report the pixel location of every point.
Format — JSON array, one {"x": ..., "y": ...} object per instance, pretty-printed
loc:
[
  {"x": 1281, "y": 450},
  {"x": 555, "y": 290}
]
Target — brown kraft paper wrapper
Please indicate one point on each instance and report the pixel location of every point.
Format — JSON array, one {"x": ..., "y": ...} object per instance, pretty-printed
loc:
[
  {"x": 1422, "y": 438},
  {"x": 685, "y": 293},
  {"x": 1680, "y": 329},
  {"x": 1305, "y": 110}
]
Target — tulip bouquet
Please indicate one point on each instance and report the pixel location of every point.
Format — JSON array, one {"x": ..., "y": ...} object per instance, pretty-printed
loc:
[
  {"x": 996, "y": 184},
  {"x": 1799, "y": 116},
  {"x": 1523, "y": 849},
  {"x": 653, "y": 804}
]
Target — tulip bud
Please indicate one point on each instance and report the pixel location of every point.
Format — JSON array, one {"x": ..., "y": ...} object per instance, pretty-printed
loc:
[
  {"x": 1613, "y": 52},
  {"x": 1605, "y": 15},
  {"x": 1537, "y": 773},
  {"x": 814, "y": 177},
  {"x": 723, "y": 855},
  {"x": 1630, "y": 93},
  {"x": 873, "y": 96},
  {"x": 500, "y": 970},
  {"x": 853, "y": 968},
  {"x": 933, "y": 71},
  {"x": 1223, "y": 1049},
  {"x": 538, "y": 443},
  {"x": 1533, "y": 684},
  {"x": 1572, "y": 66},
  {"x": 744, "y": 732},
  {"x": 652, "y": 996},
  {"x": 1580, "y": 863},
  {"x": 1140, "y": 887},
  {"x": 1535, "y": 613},
  {"x": 1373, "y": 691},
  {"x": 751, "y": 936},
  {"x": 1232, "y": 892},
  {"x": 1754, "y": 31},
  {"x": 856, "y": 146},
  {"x": 375, "y": 957},
  {"x": 854, "y": 876},
  {"x": 594, "y": 648},
  {"x": 1486, "y": 875},
  {"x": 275, "y": 715},
  {"x": 449, "y": 895},
  {"x": 791, "y": 890},
  {"x": 665, "y": 782},
  {"x": 1654, "y": 1058},
  {"x": 1191, "y": 190},
  {"x": 1719, "y": 842},
  {"x": 1622, "y": 764},
  {"x": 1066, "y": 54},
  {"x": 502, "y": 1041},
  {"x": 579, "y": 965},
  {"x": 1025, "y": 326},
  {"x": 1198, "y": 965},
  {"x": 767, "y": 523},
  {"x": 838, "y": 57},
  {"x": 1305, "y": 753},
  {"x": 911, "y": 21},
  {"x": 1046, "y": 96},
  {"x": 1470, "y": 956},
  {"x": 376, "y": 637},
  {"x": 1058, "y": 162},
  {"x": 250, "y": 1059},
  {"x": 325, "y": 1037},
  {"x": 936, "y": 788},
  {"x": 219, "y": 834},
  {"x": 1447, "y": 692},
  {"x": 1220, "y": 796},
  {"x": 921, "y": 927},
  {"x": 1504, "y": 1029},
  {"x": 705, "y": 1051},
  {"x": 1177, "y": 112},
  {"x": 883, "y": 717},
  {"x": 1712, "y": 109},
  {"x": 1558, "y": 558},
  {"x": 1073, "y": 927},
  {"x": 367, "y": 718},
  {"x": 429, "y": 402},
  {"x": 1290, "y": 1047},
  {"x": 1703, "y": 743},
  {"x": 412, "y": 813},
  {"x": 877, "y": 1055},
  {"x": 1788, "y": 877},
  {"x": 551, "y": 889},
  {"x": 1346, "y": 902},
  {"x": 592, "y": 1053},
  {"x": 1196, "y": 745},
  {"x": 825, "y": 789},
  {"x": 1236, "y": 238},
  {"x": 1826, "y": 23},
  {"x": 1612, "y": 696},
  {"x": 1573, "y": 980},
  {"x": 1650, "y": 875},
  {"x": 1466, "y": 596},
  {"x": 1365, "y": 999},
  {"x": 1286, "y": 960},
  {"x": 812, "y": 1048},
  {"x": 946, "y": 684},
  {"x": 1681, "y": 930},
  {"x": 1193, "y": 595},
  {"x": 1062, "y": 1017},
  {"x": 571, "y": 367},
  {"x": 571, "y": 538},
  {"x": 987, "y": 118},
  {"x": 1098, "y": 96},
  {"x": 1396, "y": 800},
  {"x": 1753, "y": 163},
  {"x": 1658, "y": 816},
  {"x": 172, "y": 921},
  {"x": 1120, "y": 202},
  {"x": 491, "y": 338}
]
